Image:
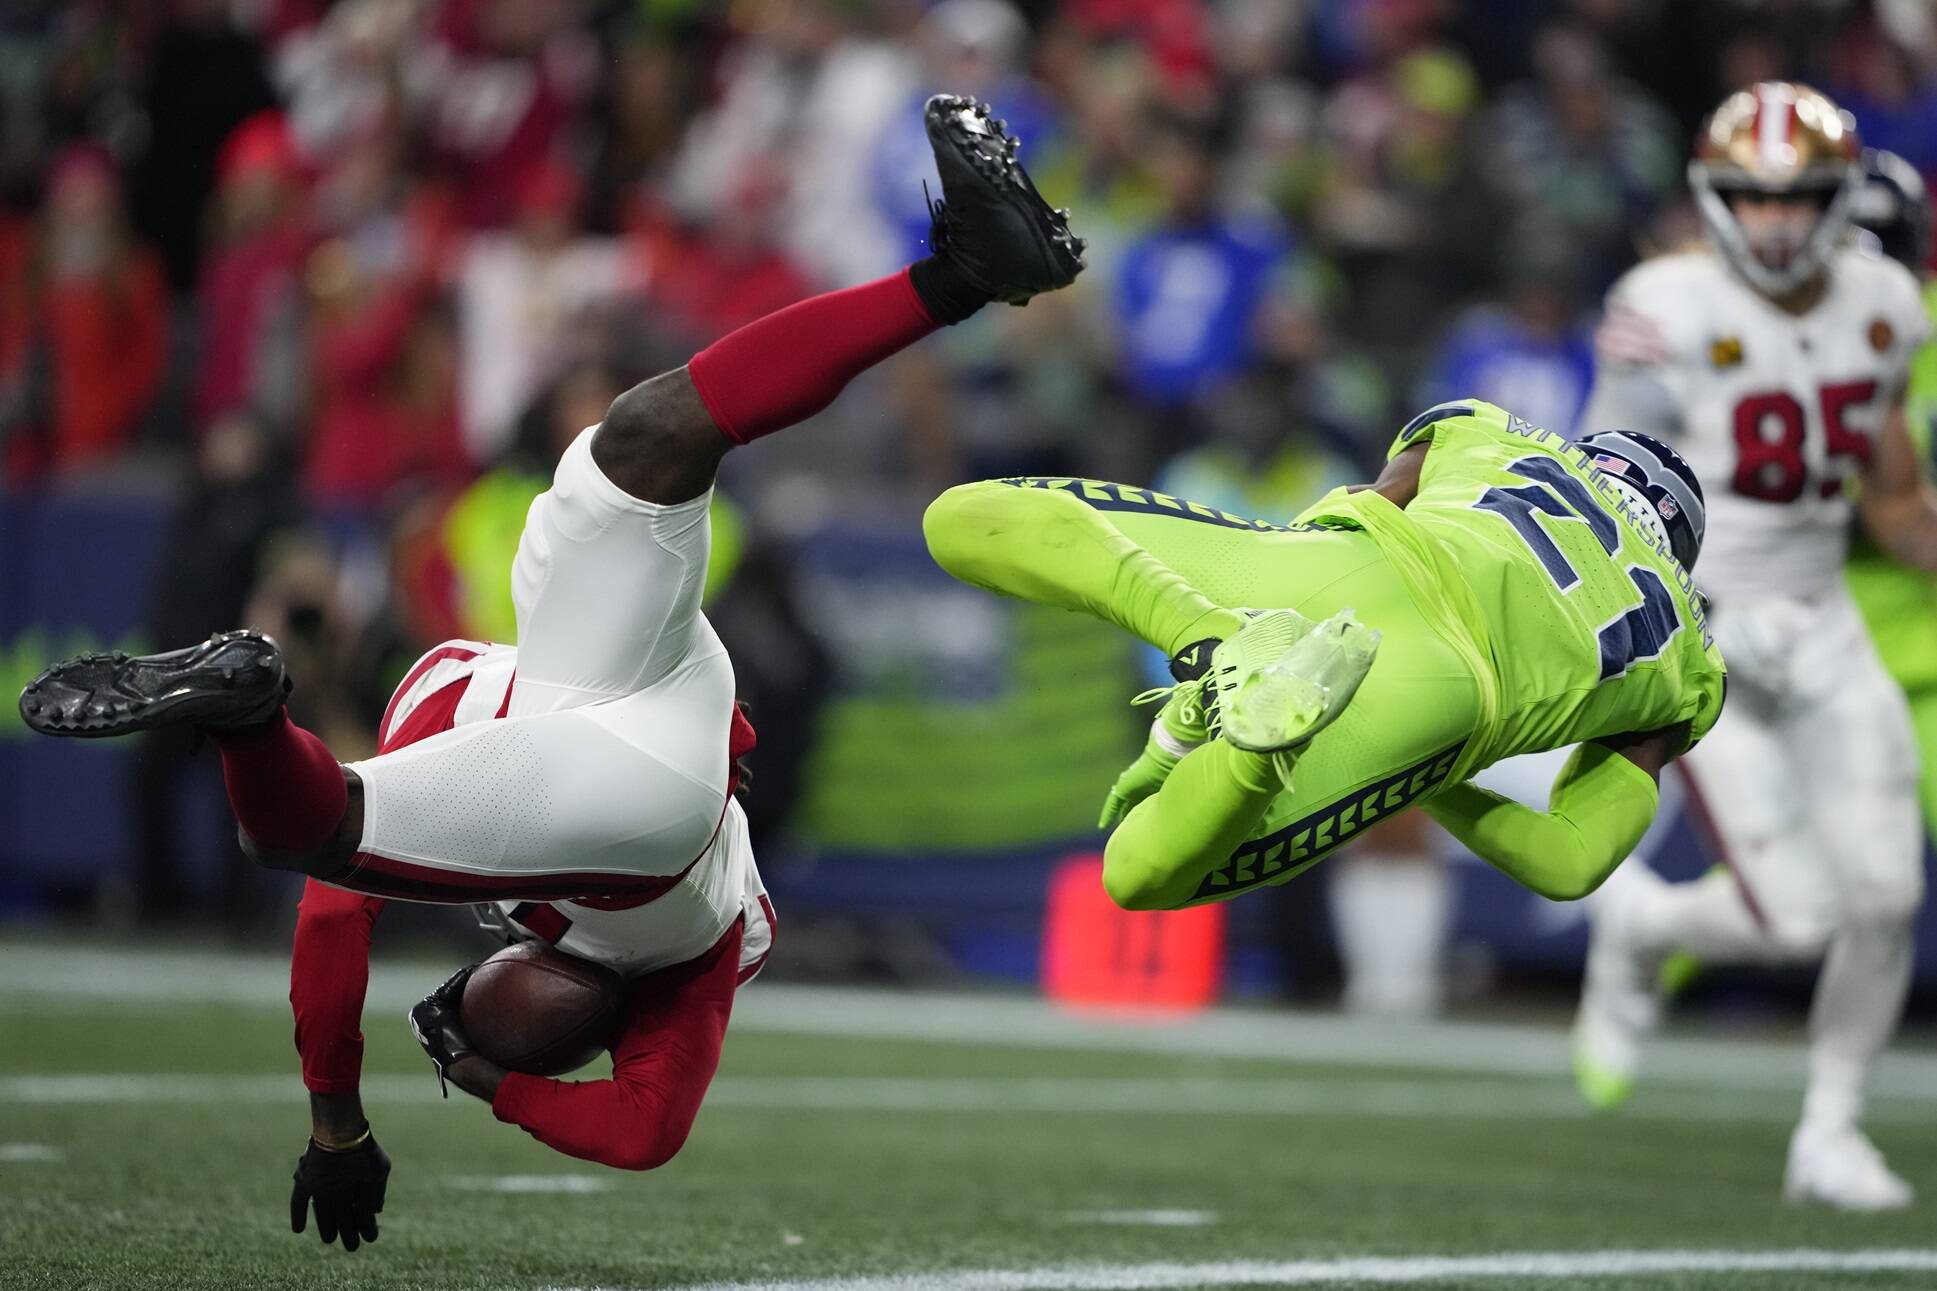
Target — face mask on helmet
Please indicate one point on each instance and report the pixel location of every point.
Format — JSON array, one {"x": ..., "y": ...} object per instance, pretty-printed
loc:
[
  {"x": 1777, "y": 228},
  {"x": 1774, "y": 174}
]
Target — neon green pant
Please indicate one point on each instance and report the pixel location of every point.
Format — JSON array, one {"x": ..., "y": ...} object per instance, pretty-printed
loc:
[{"x": 1171, "y": 572}]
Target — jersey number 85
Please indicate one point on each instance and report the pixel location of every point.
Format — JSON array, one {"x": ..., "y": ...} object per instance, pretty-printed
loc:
[{"x": 1771, "y": 429}]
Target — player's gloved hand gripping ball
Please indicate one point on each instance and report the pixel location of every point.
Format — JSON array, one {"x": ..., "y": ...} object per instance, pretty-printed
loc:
[
  {"x": 437, "y": 1022},
  {"x": 345, "y": 1184},
  {"x": 530, "y": 1008}
]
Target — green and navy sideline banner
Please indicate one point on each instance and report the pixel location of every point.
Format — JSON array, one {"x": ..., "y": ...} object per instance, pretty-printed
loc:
[{"x": 961, "y": 722}]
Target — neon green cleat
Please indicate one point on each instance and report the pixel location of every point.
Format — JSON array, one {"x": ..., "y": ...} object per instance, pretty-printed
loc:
[
  {"x": 1678, "y": 973},
  {"x": 1680, "y": 969},
  {"x": 1281, "y": 679},
  {"x": 1618, "y": 1010},
  {"x": 1603, "y": 1089}
]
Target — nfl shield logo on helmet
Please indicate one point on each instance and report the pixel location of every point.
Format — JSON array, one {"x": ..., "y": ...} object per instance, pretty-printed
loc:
[{"x": 1663, "y": 479}]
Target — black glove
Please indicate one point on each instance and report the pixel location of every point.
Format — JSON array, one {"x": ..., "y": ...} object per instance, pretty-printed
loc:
[
  {"x": 435, "y": 1021},
  {"x": 346, "y": 1185}
]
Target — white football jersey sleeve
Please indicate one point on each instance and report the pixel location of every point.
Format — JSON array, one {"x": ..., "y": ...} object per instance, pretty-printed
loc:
[{"x": 1773, "y": 410}]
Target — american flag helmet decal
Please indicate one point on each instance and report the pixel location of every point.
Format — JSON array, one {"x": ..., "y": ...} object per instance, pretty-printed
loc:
[{"x": 1662, "y": 477}]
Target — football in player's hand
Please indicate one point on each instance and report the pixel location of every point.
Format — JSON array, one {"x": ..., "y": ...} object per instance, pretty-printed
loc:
[{"x": 535, "y": 1009}]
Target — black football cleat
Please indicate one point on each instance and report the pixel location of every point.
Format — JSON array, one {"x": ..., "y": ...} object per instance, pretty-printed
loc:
[
  {"x": 230, "y": 681},
  {"x": 991, "y": 221}
]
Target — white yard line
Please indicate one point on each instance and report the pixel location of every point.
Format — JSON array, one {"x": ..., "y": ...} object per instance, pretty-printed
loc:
[
  {"x": 574, "y": 1184},
  {"x": 22, "y": 1153},
  {"x": 1393, "y": 1270},
  {"x": 75, "y": 977},
  {"x": 1145, "y": 1218},
  {"x": 1479, "y": 1098}
]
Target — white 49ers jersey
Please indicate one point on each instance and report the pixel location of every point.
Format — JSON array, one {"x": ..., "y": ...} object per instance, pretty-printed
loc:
[{"x": 1773, "y": 410}]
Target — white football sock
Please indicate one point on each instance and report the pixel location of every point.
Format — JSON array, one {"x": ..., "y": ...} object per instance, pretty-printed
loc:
[
  {"x": 1390, "y": 913},
  {"x": 1859, "y": 998}
]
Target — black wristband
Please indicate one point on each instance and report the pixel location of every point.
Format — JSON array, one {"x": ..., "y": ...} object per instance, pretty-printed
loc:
[
  {"x": 1193, "y": 661},
  {"x": 945, "y": 291}
]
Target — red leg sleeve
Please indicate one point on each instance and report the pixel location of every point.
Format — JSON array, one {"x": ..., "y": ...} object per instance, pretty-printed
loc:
[
  {"x": 284, "y": 784},
  {"x": 662, "y": 1064},
  {"x": 788, "y": 366},
  {"x": 329, "y": 971}
]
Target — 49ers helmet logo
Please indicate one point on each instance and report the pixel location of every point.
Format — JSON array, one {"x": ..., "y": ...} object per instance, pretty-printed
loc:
[{"x": 1776, "y": 140}]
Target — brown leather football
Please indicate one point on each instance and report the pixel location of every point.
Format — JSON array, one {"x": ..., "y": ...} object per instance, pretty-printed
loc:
[{"x": 535, "y": 1009}]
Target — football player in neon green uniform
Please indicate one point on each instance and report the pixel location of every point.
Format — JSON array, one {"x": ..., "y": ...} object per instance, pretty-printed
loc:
[{"x": 1498, "y": 591}]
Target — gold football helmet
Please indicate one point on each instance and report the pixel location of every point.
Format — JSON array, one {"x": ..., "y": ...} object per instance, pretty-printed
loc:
[{"x": 1777, "y": 139}]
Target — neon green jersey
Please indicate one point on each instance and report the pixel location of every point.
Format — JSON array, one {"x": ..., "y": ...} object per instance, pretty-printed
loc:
[{"x": 1578, "y": 619}]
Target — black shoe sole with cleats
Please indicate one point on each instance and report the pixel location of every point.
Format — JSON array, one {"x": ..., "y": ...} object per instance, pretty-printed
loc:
[
  {"x": 231, "y": 681},
  {"x": 991, "y": 221}
]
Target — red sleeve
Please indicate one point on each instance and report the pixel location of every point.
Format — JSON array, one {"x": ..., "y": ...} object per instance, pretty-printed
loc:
[
  {"x": 663, "y": 1062},
  {"x": 329, "y": 970}
]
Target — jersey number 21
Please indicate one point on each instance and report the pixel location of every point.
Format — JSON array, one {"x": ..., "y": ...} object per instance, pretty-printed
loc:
[{"x": 1640, "y": 633}]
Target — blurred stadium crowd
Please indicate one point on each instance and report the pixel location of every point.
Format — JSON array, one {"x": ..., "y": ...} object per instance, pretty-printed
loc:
[{"x": 337, "y": 281}]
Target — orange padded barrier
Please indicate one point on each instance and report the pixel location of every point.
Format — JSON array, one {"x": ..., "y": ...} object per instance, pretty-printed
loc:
[{"x": 1098, "y": 957}]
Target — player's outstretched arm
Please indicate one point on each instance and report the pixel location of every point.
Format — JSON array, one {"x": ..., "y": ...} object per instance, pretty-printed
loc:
[
  {"x": 1897, "y": 507},
  {"x": 329, "y": 973},
  {"x": 662, "y": 1065},
  {"x": 342, "y": 1173},
  {"x": 1602, "y": 803},
  {"x": 1158, "y": 857}
]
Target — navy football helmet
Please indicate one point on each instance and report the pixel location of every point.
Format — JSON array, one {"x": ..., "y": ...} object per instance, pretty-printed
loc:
[
  {"x": 1894, "y": 207},
  {"x": 1658, "y": 473}
]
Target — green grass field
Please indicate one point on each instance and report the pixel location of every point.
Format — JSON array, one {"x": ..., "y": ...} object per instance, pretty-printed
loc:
[{"x": 149, "y": 1118}]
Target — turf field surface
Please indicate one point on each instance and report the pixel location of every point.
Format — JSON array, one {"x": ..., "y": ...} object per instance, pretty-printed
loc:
[{"x": 150, "y": 1115}]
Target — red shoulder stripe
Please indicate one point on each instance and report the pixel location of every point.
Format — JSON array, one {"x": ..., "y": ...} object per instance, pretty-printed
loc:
[
  {"x": 415, "y": 675},
  {"x": 433, "y": 714}
]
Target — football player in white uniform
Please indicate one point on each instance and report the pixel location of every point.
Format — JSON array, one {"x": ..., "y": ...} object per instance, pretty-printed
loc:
[
  {"x": 583, "y": 779},
  {"x": 1775, "y": 359}
]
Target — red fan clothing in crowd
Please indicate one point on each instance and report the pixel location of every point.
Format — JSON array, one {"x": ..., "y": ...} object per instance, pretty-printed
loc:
[
  {"x": 84, "y": 326},
  {"x": 251, "y": 290},
  {"x": 504, "y": 78}
]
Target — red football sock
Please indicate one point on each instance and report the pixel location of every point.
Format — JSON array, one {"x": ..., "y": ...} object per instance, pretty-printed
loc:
[
  {"x": 285, "y": 786},
  {"x": 786, "y": 367}
]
